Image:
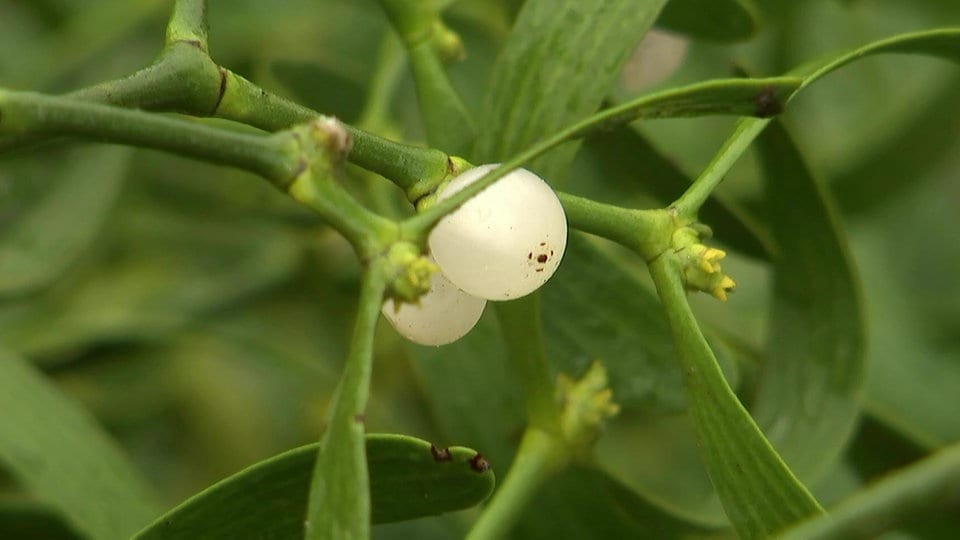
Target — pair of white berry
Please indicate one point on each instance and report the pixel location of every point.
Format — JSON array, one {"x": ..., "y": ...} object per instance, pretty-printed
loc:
[{"x": 502, "y": 244}]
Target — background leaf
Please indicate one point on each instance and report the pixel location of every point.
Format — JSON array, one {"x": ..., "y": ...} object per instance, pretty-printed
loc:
[
  {"x": 42, "y": 244},
  {"x": 723, "y": 20},
  {"x": 57, "y": 452},
  {"x": 269, "y": 499},
  {"x": 809, "y": 393},
  {"x": 553, "y": 43}
]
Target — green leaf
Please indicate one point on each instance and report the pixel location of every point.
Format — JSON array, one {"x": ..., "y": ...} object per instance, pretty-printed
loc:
[
  {"x": 472, "y": 391},
  {"x": 553, "y": 43},
  {"x": 808, "y": 398},
  {"x": 269, "y": 499},
  {"x": 58, "y": 453},
  {"x": 586, "y": 503},
  {"x": 617, "y": 321},
  {"x": 169, "y": 271},
  {"x": 44, "y": 242},
  {"x": 23, "y": 519},
  {"x": 759, "y": 492},
  {"x": 912, "y": 490},
  {"x": 718, "y": 20}
]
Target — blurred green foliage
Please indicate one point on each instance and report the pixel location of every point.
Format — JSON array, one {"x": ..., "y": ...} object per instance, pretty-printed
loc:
[{"x": 202, "y": 317}]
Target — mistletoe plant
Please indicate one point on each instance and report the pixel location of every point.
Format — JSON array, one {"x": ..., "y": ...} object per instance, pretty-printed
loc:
[{"x": 485, "y": 226}]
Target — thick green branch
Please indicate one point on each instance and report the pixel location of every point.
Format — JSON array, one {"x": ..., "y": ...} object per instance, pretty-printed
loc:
[{"x": 28, "y": 114}]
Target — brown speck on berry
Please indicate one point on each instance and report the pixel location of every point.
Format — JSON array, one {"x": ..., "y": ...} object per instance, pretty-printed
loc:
[{"x": 542, "y": 258}]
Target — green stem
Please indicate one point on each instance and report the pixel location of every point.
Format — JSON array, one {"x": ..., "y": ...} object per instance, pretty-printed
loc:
[
  {"x": 540, "y": 456},
  {"x": 188, "y": 23},
  {"x": 383, "y": 84},
  {"x": 690, "y": 202},
  {"x": 27, "y": 113},
  {"x": 725, "y": 96},
  {"x": 339, "y": 500},
  {"x": 448, "y": 124},
  {"x": 366, "y": 231},
  {"x": 645, "y": 231},
  {"x": 868, "y": 513},
  {"x": 523, "y": 333}
]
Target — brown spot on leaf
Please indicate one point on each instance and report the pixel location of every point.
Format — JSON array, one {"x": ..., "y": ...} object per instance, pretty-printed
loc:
[
  {"x": 440, "y": 454},
  {"x": 479, "y": 463}
]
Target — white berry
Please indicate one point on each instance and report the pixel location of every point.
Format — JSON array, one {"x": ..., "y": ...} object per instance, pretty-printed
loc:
[
  {"x": 444, "y": 315},
  {"x": 506, "y": 241}
]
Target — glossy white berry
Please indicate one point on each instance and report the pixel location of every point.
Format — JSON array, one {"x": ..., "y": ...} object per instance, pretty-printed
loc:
[
  {"x": 444, "y": 315},
  {"x": 506, "y": 241}
]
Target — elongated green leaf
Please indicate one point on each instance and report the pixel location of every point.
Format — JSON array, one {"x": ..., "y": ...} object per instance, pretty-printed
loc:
[
  {"x": 817, "y": 391},
  {"x": 759, "y": 492},
  {"x": 63, "y": 458},
  {"x": 719, "y": 20},
  {"x": 868, "y": 513},
  {"x": 43, "y": 243},
  {"x": 808, "y": 398},
  {"x": 269, "y": 499},
  {"x": 554, "y": 43}
]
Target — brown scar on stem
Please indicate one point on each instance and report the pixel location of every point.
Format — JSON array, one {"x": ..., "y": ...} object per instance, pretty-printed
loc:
[
  {"x": 479, "y": 464},
  {"x": 440, "y": 454},
  {"x": 359, "y": 418},
  {"x": 766, "y": 103},
  {"x": 222, "y": 90}
]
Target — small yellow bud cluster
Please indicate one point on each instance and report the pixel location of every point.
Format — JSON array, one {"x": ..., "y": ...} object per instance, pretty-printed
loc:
[
  {"x": 701, "y": 264},
  {"x": 586, "y": 405},
  {"x": 409, "y": 273}
]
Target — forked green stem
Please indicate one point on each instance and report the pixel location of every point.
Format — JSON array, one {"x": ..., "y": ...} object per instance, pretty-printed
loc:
[{"x": 339, "y": 501}]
